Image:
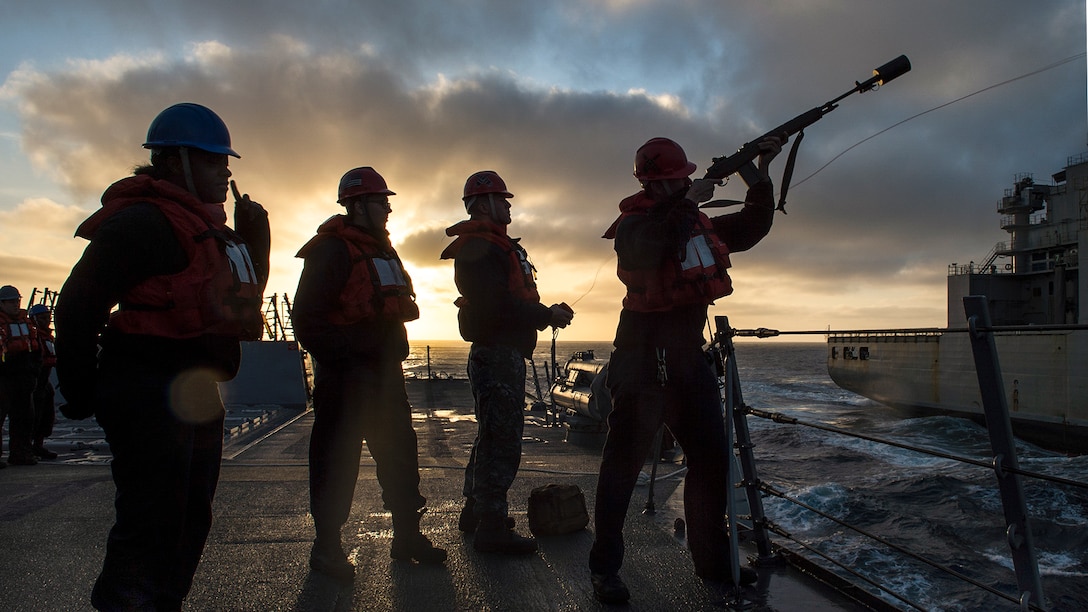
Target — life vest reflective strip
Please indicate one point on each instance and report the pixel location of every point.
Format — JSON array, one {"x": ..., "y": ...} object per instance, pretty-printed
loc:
[
  {"x": 49, "y": 349},
  {"x": 378, "y": 285},
  {"x": 218, "y": 292},
  {"x": 698, "y": 277},
  {"x": 18, "y": 335},
  {"x": 521, "y": 273}
]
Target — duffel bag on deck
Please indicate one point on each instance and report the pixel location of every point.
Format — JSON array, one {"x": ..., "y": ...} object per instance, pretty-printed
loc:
[{"x": 556, "y": 509}]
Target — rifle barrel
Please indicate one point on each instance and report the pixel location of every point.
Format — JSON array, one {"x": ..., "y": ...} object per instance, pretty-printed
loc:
[{"x": 723, "y": 167}]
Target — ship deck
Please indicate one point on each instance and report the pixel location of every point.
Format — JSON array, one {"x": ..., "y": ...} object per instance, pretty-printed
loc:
[{"x": 54, "y": 518}]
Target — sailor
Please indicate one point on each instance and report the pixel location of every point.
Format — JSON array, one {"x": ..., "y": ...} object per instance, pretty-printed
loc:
[
  {"x": 44, "y": 407},
  {"x": 672, "y": 259},
  {"x": 187, "y": 290},
  {"x": 20, "y": 361},
  {"x": 353, "y": 299},
  {"x": 499, "y": 312}
]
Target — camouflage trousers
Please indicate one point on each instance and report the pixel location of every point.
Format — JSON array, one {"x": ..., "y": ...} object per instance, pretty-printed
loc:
[{"x": 497, "y": 376}]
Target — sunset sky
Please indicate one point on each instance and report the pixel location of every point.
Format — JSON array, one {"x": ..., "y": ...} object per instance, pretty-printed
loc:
[{"x": 556, "y": 97}]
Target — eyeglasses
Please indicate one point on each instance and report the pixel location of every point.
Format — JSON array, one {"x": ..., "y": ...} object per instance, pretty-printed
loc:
[{"x": 384, "y": 202}]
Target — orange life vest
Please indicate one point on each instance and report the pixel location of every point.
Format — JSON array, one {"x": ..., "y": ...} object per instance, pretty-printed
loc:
[
  {"x": 49, "y": 349},
  {"x": 698, "y": 277},
  {"x": 521, "y": 274},
  {"x": 378, "y": 286},
  {"x": 17, "y": 335},
  {"x": 218, "y": 293}
]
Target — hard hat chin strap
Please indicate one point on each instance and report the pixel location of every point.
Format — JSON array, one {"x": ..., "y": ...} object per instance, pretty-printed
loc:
[
  {"x": 366, "y": 212},
  {"x": 359, "y": 211},
  {"x": 187, "y": 169},
  {"x": 490, "y": 208}
]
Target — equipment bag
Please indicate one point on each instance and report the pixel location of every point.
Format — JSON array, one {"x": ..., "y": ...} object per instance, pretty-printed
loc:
[{"x": 556, "y": 509}]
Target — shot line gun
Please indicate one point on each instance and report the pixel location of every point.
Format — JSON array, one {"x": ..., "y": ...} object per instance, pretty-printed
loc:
[{"x": 741, "y": 161}]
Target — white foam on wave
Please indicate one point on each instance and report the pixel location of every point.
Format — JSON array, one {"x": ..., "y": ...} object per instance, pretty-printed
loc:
[
  {"x": 1050, "y": 563},
  {"x": 829, "y": 498}
]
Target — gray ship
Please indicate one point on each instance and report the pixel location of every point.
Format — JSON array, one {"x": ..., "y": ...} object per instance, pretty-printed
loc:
[{"x": 1033, "y": 287}]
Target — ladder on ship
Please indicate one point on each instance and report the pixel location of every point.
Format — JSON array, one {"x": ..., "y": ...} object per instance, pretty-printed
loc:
[
  {"x": 46, "y": 296},
  {"x": 277, "y": 318}
]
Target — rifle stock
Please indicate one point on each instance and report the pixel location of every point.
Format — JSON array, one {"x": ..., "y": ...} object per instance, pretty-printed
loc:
[
  {"x": 723, "y": 167},
  {"x": 741, "y": 161}
]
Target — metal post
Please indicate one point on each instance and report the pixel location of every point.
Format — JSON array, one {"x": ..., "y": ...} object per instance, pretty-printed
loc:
[
  {"x": 991, "y": 387},
  {"x": 731, "y": 514}
]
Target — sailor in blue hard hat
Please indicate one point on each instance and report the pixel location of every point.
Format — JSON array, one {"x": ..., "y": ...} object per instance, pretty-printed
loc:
[{"x": 167, "y": 290}]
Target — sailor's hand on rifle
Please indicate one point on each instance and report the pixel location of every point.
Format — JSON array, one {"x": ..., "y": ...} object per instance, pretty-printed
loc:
[
  {"x": 561, "y": 315},
  {"x": 769, "y": 148},
  {"x": 701, "y": 190}
]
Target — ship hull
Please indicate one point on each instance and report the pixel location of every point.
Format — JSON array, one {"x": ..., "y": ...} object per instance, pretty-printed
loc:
[{"x": 1044, "y": 375}]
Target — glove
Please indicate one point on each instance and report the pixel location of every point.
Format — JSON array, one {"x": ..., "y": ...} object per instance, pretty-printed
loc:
[
  {"x": 77, "y": 411},
  {"x": 701, "y": 190}
]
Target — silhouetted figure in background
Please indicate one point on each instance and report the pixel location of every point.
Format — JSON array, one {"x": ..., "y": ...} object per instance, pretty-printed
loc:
[
  {"x": 20, "y": 361},
  {"x": 44, "y": 406}
]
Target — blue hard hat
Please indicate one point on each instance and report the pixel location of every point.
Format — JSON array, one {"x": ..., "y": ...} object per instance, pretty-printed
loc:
[
  {"x": 190, "y": 125},
  {"x": 37, "y": 309}
]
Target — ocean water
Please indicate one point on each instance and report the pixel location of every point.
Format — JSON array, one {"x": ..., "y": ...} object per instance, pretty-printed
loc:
[{"x": 947, "y": 511}]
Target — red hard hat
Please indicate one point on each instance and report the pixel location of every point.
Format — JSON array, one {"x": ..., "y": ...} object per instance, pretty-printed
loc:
[
  {"x": 485, "y": 181},
  {"x": 361, "y": 181},
  {"x": 661, "y": 158}
]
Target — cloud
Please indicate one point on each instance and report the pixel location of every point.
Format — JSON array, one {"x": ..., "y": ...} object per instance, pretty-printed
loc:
[
  {"x": 556, "y": 99},
  {"x": 39, "y": 250}
]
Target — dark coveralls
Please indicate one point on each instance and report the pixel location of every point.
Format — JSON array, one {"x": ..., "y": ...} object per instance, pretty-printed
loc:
[
  {"x": 358, "y": 395},
  {"x": 44, "y": 396},
  {"x": 688, "y": 403},
  {"x": 158, "y": 402},
  {"x": 503, "y": 332},
  {"x": 18, "y": 376}
]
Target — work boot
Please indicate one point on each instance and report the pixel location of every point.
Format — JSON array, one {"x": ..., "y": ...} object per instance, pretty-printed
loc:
[
  {"x": 609, "y": 588},
  {"x": 468, "y": 521},
  {"x": 23, "y": 460},
  {"x": 41, "y": 452},
  {"x": 409, "y": 543},
  {"x": 327, "y": 557},
  {"x": 493, "y": 535}
]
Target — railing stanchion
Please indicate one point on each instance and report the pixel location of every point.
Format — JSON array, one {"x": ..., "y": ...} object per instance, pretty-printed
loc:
[{"x": 1018, "y": 532}]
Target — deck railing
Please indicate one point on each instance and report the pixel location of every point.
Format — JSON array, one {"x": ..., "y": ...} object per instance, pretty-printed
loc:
[{"x": 1003, "y": 463}]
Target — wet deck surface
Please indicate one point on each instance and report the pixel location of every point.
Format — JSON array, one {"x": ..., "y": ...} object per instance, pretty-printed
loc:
[{"x": 54, "y": 518}]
